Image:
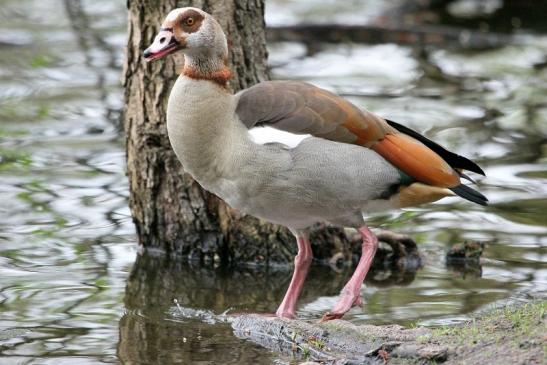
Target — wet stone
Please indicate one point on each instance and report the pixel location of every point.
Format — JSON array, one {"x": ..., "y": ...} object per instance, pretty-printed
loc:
[{"x": 468, "y": 251}]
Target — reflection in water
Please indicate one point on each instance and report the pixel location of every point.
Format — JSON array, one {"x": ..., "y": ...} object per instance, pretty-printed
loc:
[
  {"x": 154, "y": 328},
  {"x": 155, "y": 282},
  {"x": 148, "y": 334},
  {"x": 67, "y": 240},
  {"x": 466, "y": 269}
]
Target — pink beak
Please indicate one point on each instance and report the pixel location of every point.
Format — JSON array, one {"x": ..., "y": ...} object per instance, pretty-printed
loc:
[{"x": 164, "y": 44}]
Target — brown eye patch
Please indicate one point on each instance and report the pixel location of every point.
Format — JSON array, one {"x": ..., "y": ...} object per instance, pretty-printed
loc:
[{"x": 190, "y": 21}]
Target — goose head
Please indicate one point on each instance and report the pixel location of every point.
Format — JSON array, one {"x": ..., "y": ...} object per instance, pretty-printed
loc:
[{"x": 192, "y": 31}]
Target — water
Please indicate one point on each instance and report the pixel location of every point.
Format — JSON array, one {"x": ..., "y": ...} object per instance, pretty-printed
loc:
[{"x": 73, "y": 288}]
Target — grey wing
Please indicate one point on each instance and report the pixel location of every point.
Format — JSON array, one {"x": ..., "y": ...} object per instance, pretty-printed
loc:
[
  {"x": 344, "y": 175},
  {"x": 318, "y": 180}
]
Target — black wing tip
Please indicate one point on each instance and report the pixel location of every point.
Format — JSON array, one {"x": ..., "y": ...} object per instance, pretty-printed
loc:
[
  {"x": 471, "y": 166},
  {"x": 470, "y": 194}
]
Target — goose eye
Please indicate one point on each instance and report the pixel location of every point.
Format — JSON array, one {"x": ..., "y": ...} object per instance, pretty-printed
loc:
[{"x": 189, "y": 21}]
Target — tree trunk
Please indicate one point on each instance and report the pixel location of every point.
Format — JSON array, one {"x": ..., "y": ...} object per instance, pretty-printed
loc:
[{"x": 171, "y": 211}]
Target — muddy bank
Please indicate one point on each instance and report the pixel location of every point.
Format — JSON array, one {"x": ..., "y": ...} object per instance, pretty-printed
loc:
[{"x": 511, "y": 334}]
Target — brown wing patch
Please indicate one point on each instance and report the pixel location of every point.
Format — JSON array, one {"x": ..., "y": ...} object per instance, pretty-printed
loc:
[
  {"x": 368, "y": 128},
  {"x": 416, "y": 160},
  {"x": 418, "y": 193}
]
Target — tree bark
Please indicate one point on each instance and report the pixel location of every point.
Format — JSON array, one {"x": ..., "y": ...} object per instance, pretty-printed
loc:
[{"x": 171, "y": 211}]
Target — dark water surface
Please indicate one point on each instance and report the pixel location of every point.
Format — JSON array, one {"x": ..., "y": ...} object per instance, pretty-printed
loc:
[{"x": 74, "y": 290}]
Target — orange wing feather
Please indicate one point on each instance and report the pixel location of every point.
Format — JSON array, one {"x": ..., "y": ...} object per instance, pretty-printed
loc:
[
  {"x": 405, "y": 152},
  {"x": 417, "y": 160},
  {"x": 368, "y": 128}
]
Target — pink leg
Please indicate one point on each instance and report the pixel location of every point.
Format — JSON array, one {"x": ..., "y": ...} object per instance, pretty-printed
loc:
[
  {"x": 302, "y": 263},
  {"x": 351, "y": 294}
]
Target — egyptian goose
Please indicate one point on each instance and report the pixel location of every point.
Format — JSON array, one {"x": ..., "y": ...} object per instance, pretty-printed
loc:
[{"x": 354, "y": 162}]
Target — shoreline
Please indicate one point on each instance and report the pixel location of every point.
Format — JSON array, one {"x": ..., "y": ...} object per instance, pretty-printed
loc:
[{"x": 512, "y": 334}]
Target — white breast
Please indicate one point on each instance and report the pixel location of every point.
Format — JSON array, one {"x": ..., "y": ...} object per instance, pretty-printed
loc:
[{"x": 200, "y": 124}]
